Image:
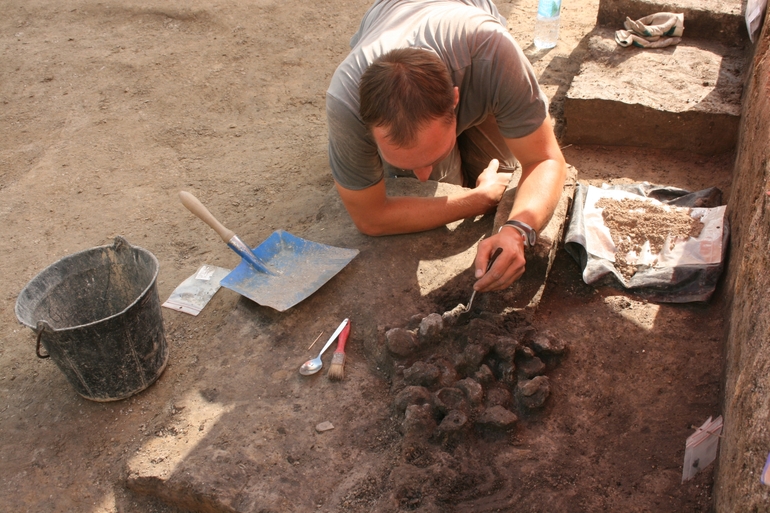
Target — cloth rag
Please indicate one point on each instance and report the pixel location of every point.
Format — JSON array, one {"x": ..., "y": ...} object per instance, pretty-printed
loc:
[{"x": 654, "y": 31}]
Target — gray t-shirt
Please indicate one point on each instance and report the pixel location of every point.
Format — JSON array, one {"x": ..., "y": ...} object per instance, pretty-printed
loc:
[{"x": 484, "y": 61}]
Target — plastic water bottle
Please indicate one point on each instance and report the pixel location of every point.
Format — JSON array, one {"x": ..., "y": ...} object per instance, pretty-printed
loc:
[{"x": 547, "y": 24}]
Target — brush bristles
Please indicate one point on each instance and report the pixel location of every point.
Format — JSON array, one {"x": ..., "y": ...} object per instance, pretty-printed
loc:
[{"x": 337, "y": 368}]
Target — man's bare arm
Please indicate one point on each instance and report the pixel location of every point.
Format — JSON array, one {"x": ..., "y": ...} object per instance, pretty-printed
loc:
[
  {"x": 376, "y": 213},
  {"x": 542, "y": 181}
]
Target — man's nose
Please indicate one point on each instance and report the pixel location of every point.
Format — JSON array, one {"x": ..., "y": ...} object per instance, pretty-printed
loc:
[{"x": 423, "y": 173}]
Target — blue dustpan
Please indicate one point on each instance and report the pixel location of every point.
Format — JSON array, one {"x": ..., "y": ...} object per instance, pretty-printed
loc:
[
  {"x": 280, "y": 272},
  {"x": 296, "y": 268}
]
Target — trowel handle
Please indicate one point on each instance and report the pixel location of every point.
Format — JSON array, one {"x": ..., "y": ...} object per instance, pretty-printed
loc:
[{"x": 196, "y": 207}]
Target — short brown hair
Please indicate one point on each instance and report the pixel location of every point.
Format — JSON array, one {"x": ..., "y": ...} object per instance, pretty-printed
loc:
[{"x": 403, "y": 90}]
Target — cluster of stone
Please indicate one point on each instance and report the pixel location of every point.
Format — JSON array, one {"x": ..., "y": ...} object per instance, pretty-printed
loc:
[{"x": 451, "y": 377}]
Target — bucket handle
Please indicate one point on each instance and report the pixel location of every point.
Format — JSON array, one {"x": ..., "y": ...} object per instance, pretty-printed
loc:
[
  {"x": 41, "y": 327},
  {"x": 120, "y": 243}
]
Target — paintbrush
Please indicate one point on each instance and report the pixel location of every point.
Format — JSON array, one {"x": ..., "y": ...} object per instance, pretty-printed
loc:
[{"x": 337, "y": 368}]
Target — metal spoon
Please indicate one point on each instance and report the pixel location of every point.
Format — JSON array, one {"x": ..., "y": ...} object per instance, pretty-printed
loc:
[{"x": 314, "y": 365}]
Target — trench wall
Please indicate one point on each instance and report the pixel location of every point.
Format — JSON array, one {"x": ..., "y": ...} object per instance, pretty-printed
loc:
[{"x": 746, "y": 402}]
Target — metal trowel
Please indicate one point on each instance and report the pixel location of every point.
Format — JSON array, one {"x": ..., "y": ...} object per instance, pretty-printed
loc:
[
  {"x": 463, "y": 313},
  {"x": 280, "y": 272}
]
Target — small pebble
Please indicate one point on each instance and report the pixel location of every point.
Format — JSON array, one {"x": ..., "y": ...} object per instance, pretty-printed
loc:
[{"x": 324, "y": 426}]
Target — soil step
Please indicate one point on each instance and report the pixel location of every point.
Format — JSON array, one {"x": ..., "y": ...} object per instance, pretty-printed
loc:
[
  {"x": 527, "y": 291},
  {"x": 684, "y": 97},
  {"x": 712, "y": 20}
]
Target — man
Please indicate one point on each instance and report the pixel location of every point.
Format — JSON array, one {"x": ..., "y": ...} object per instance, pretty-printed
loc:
[{"x": 438, "y": 89}]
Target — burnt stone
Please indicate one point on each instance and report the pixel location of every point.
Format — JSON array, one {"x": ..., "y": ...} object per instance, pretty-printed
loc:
[
  {"x": 498, "y": 417},
  {"x": 498, "y": 396},
  {"x": 419, "y": 421},
  {"x": 484, "y": 375},
  {"x": 422, "y": 374},
  {"x": 533, "y": 393},
  {"x": 453, "y": 422},
  {"x": 505, "y": 348},
  {"x": 430, "y": 329},
  {"x": 414, "y": 322},
  {"x": 412, "y": 395},
  {"x": 481, "y": 331},
  {"x": 525, "y": 352},
  {"x": 469, "y": 360},
  {"x": 401, "y": 342},
  {"x": 506, "y": 372},
  {"x": 524, "y": 333},
  {"x": 447, "y": 370},
  {"x": 473, "y": 391},
  {"x": 546, "y": 344},
  {"x": 450, "y": 398},
  {"x": 529, "y": 367}
]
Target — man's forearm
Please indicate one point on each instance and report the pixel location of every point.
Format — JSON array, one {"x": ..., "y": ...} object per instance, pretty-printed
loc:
[
  {"x": 538, "y": 193},
  {"x": 544, "y": 171},
  {"x": 407, "y": 214},
  {"x": 375, "y": 213}
]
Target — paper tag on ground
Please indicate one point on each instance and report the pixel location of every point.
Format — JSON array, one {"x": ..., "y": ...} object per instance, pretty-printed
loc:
[
  {"x": 701, "y": 447},
  {"x": 192, "y": 295}
]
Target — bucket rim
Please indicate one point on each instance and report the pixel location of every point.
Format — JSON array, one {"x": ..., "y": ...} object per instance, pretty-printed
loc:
[{"x": 117, "y": 243}]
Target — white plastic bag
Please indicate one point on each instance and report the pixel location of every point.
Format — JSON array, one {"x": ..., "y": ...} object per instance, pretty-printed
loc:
[{"x": 681, "y": 270}]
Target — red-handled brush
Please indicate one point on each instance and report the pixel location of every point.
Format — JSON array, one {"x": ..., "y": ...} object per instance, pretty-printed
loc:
[{"x": 337, "y": 368}]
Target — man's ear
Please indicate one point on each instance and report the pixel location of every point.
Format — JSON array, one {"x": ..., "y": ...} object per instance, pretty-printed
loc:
[{"x": 457, "y": 96}]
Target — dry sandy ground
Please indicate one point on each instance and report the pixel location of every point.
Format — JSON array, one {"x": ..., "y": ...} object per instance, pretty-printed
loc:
[{"x": 110, "y": 108}]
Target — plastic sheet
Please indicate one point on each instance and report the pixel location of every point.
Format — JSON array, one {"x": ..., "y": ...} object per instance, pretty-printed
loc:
[{"x": 683, "y": 271}]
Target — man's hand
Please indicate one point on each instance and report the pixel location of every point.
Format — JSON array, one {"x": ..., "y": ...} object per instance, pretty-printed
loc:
[
  {"x": 508, "y": 267},
  {"x": 493, "y": 183}
]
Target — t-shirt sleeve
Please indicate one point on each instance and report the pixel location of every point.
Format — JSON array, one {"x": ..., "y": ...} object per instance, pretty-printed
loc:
[
  {"x": 520, "y": 105},
  {"x": 502, "y": 82},
  {"x": 353, "y": 156}
]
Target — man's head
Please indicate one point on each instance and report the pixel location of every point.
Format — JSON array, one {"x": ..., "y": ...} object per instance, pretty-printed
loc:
[{"x": 407, "y": 101}]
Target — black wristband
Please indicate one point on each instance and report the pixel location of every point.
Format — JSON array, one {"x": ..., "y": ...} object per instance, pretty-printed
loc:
[{"x": 527, "y": 232}]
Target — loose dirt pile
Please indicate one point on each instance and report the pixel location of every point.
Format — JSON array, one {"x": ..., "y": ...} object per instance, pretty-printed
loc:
[{"x": 634, "y": 223}]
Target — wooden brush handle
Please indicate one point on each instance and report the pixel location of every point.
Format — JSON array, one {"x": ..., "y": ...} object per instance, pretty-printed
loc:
[
  {"x": 194, "y": 205},
  {"x": 343, "y": 339}
]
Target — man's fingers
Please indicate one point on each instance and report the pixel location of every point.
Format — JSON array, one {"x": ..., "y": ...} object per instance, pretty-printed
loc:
[
  {"x": 500, "y": 276},
  {"x": 506, "y": 279},
  {"x": 483, "y": 255},
  {"x": 488, "y": 277},
  {"x": 507, "y": 268},
  {"x": 493, "y": 166},
  {"x": 489, "y": 172}
]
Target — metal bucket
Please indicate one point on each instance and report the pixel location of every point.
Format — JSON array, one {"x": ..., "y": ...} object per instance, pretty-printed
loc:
[{"x": 97, "y": 315}]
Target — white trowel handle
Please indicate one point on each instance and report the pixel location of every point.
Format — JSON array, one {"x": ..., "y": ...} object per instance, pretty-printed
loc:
[{"x": 196, "y": 207}]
